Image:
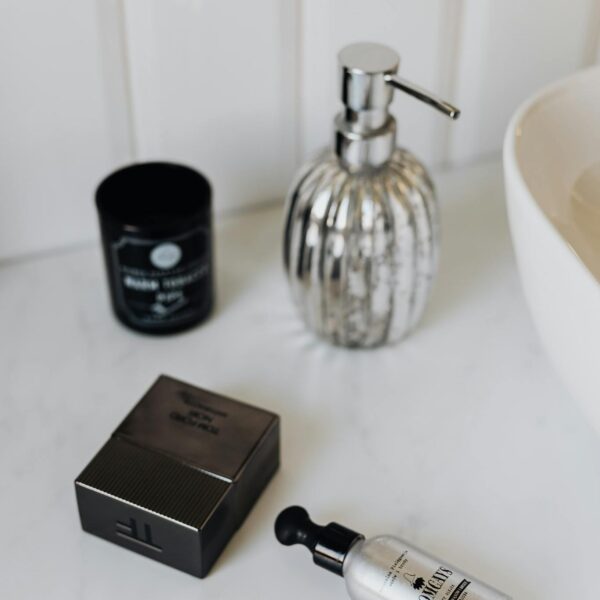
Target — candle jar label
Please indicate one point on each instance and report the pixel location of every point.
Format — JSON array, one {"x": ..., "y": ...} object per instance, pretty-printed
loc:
[{"x": 160, "y": 281}]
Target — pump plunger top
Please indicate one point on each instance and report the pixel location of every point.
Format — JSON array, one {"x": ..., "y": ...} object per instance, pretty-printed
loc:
[{"x": 369, "y": 77}]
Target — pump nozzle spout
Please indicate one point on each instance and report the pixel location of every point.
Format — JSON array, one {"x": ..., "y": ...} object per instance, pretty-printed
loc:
[{"x": 423, "y": 95}]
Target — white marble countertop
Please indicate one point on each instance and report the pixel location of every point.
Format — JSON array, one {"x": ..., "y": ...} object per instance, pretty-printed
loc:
[{"x": 460, "y": 439}]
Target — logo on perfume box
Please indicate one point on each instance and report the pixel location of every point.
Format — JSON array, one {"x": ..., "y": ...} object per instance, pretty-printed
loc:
[
  {"x": 197, "y": 413},
  {"x": 195, "y": 419},
  {"x": 131, "y": 531},
  {"x": 195, "y": 401}
]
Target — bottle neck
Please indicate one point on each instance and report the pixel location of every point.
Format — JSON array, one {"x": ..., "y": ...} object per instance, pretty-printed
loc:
[
  {"x": 353, "y": 552},
  {"x": 332, "y": 547},
  {"x": 364, "y": 139}
]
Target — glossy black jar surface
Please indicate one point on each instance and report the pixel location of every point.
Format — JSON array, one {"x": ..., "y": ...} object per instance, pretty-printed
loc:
[{"x": 155, "y": 221}]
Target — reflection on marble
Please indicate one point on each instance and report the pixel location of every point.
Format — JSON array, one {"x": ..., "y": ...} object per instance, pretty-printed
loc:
[{"x": 461, "y": 438}]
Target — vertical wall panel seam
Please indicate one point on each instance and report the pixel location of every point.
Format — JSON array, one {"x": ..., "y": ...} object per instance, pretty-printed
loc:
[
  {"x": 298, "y": 83},
  {"x": 140, "y": 39},
  {"x": 449, "y": 70},
  {"x": 115, "y": 77},
  {"x": 125, "y": 56},
  {"x": 592, "y": 46},
  {"x": 291, "y": 75},
  {"x": 316, "y": 16}
]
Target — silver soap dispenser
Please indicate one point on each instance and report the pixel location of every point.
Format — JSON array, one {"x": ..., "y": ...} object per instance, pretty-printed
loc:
[{"x": 361, "y": 229}]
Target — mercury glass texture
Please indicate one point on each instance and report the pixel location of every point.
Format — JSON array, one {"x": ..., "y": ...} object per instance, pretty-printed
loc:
[{"x": 361, "y": 248}]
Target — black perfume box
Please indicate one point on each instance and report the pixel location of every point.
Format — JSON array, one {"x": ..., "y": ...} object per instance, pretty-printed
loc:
[{"x": 179, "y": 475}]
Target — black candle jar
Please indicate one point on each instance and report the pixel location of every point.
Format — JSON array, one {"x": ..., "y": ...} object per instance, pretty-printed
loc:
[{"x": 155, "y": 221}]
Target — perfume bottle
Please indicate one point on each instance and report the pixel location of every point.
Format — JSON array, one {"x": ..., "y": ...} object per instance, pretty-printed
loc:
[
  {"x": 361, "y": 228},
  {"x": 382, "y": 567}
]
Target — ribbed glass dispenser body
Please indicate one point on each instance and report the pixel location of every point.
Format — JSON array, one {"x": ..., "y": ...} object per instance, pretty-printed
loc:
[{"x": 361, "y": 232}]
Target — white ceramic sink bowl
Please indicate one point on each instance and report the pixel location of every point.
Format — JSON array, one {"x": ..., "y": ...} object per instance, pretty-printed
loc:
[{"x": 552, "y": 141}]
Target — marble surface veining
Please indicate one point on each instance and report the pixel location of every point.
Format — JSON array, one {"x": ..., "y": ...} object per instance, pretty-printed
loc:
[{"x": 461, "y": 438}]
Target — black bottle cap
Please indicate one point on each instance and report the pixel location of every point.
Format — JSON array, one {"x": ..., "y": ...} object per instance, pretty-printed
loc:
[{"x": 329, "y": 544}]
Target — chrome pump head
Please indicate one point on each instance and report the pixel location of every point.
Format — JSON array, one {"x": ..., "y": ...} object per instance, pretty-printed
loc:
[{"x": 365, "y": 130}]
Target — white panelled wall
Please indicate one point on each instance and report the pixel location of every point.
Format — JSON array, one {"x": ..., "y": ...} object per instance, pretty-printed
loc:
[
  {"x": 56, "y": 121},
  {"x": 244, "y": 91}
]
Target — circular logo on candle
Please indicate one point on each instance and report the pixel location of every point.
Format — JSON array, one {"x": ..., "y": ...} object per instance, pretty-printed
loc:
[{"x": 165, "y": 256}]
